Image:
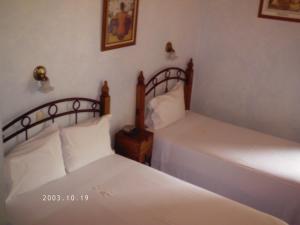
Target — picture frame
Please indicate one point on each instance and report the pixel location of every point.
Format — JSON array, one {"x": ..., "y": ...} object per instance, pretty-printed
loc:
[
  {"x": 288, "y": 10},
  {"x": 119, "y": 23}
]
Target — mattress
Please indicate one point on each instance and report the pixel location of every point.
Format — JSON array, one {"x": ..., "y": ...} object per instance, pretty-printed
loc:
[
  {"x": 250, "y": 167},
  {"x": 123, "y": 192}
]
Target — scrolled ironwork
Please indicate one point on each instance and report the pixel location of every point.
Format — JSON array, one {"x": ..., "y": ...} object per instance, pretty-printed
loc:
[
  {"x": 53, "y": 112},
  {"x": 154, "y": 82},
  {"x": 76, "y": 105},
  {"x": 28, "y": 121},
  {"x": 93, "y": 107},
  {"x": 26, "y": 125},
  {"x": 50, "y": 112},
  {"x": 179, "y": 74},
  {"x": 168, "y": 74},
  {"x": 164, "y": 76}
]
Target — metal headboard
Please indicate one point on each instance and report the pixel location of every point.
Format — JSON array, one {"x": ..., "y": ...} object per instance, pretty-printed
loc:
[
  {"x": 53, "y": 112},
  {"x": 25, "y": 122},
  {"x": 163, "y": 77}
]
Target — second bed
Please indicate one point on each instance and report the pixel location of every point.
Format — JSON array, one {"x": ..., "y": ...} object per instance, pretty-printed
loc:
[{"x": 256, "y": 169}]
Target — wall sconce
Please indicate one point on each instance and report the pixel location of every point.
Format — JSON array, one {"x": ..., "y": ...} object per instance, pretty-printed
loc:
[
  {"x": 39, "y": 74},
  {"x": 171, "y": 53}
]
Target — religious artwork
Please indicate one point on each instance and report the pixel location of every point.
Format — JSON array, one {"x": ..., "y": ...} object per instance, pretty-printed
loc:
[
  {"x": 280, "y": 9},
  {"x": 119, "y": 23}
]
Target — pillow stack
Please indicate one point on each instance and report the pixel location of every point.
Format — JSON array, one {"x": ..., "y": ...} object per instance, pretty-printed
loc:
[
  {"x": 166, "y": 109},
  {"x": 48, "y": 155}
]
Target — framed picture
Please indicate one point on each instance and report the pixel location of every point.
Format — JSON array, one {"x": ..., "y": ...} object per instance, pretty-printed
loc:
[
  {"x": 119, "y": 23},
  {"x": 280, "y": 9}
]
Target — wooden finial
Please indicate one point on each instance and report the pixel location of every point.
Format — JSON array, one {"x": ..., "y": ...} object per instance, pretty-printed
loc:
[
  {"x": 190, "y": 64},
  {"x": 105, "y": 89},
  {"x": 141, "y": 78},
  {"x": 140, "y": 102},
  {"x": 105, "y": 99}
]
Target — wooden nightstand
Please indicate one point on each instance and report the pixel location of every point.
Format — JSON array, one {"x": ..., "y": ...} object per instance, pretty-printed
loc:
[{"x": 136, "y": 145}]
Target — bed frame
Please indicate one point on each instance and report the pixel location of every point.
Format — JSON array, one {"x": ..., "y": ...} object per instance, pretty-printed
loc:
[
  {"x": 162, "y": 78},
  {"x": 24, "y": 121}
]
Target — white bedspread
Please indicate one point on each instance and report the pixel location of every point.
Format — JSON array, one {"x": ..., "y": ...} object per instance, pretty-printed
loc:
[
  {"x": 254, "y": 168},
  {"x": 123, "y": 192}
]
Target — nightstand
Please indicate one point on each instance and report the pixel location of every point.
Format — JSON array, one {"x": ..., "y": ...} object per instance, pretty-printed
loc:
[{"x": 135, "y": 145}]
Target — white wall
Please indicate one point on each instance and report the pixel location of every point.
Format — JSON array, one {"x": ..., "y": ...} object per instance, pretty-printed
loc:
[
  {"x": 249, "y": 68},
  {"x": 64, "y": 36},
  {"x": 2, "y": 212}
]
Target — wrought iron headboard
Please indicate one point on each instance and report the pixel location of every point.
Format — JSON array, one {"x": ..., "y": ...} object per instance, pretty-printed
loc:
[
  {"x": 101, "y": 107},
  {"x": 163, "y": 77},
  {"x": 160, "y": 78}
]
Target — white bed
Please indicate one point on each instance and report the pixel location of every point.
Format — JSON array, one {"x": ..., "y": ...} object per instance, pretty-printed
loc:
[
  {"x": 70, "y": 175},
  {"x": 120, "y": 192},
  {"x": 250, "y": 167}
]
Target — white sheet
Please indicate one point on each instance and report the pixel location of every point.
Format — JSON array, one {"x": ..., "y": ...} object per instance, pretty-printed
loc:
[
  {"x": 253, "y": 168},
  {"x": 123, "y": 192}
]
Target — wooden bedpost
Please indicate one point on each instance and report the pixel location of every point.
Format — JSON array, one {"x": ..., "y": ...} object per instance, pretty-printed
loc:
[
  {"x": 104, "y": 100},
  {"x": 188, "y": 84},
  {"x": 140, "y": 103}
]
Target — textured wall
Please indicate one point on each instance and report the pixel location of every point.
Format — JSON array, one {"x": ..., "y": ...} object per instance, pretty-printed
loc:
[
  {"x": 64, "y": 35},
  {"x": 249, "y": 68},
  {"x": 2, "y": 214}
]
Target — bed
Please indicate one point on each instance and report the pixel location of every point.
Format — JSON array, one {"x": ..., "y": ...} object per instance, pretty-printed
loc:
[
  {"x": 113, "y": 190},
  {"x": 131, "y": 194},
  {"x": 253, "y": 168}
]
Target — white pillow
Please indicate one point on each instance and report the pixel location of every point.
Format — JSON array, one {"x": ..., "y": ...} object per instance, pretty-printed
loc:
[
  {"x": 85, "y": 143},
  {"x": 34, "y": 163},
  {"x": 52, "y": 128},
  {"x": 166, "y": 109}
]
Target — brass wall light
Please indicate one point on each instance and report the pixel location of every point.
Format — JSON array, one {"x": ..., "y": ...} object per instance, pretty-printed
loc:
[
  {"x": 171, "y": 53},
  {"x": 39, "y": 75}
]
